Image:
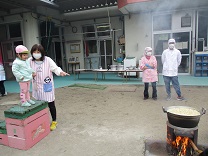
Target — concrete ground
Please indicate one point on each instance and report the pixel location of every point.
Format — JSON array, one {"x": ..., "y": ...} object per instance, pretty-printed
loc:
[{"x": 114, "y": 121}]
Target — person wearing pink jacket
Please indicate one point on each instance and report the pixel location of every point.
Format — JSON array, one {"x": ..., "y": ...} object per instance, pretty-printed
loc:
[{"x": 149, "y": 66}]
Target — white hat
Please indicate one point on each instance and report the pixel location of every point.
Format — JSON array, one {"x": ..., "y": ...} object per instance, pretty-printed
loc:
[
  {"x": 148, "y": 51},
  {"x": 171, "y": 41}
]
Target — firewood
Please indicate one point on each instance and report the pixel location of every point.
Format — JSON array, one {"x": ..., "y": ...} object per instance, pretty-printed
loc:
[{"x": 194, "y": 147}]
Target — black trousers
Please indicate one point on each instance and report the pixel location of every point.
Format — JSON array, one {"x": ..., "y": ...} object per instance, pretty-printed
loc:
[
  {"x": 52, "y": 109},
  {"x": 2, "y": 88},
  {"x": 154, "y": 90}
]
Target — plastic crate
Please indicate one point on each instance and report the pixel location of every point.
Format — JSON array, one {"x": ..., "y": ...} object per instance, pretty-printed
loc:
[
  {"x": 205, "y": 66},
  {"x": 198, "y": 66},
  {"x": 3, "y": 127},
  {"x": 205, "y": 58},
  {"x": 19, "y": 112},
  {"x": 198, "y": 59}
]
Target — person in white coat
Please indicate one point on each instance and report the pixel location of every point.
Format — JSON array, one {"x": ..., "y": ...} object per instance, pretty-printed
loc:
[
  {"x": 171, "y": 59},
  {"x": 2, "y": 79}
]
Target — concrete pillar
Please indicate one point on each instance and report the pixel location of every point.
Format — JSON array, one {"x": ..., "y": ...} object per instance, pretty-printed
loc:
[{"x": 30, "y": 30}]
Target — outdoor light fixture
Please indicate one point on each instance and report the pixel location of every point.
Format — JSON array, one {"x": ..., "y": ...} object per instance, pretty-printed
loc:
[{"x": 49, "y": 2}]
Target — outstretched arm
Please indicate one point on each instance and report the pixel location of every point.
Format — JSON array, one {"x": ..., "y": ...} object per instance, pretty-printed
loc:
[{"x": 57, "y": 70}]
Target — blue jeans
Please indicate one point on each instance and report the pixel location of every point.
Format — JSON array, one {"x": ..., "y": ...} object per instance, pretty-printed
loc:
[
  {"x": 154, "y": 90},
  {"x": 175, "y": 83}
]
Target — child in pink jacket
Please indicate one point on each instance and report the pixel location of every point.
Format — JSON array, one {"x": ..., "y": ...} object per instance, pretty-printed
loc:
[{"x": 149, "y": 66}]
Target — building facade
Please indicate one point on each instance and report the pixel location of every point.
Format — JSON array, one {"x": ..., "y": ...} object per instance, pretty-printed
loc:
[{"x": 95, "y": 41}]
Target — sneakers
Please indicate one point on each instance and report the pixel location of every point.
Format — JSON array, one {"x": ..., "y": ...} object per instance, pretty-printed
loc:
[
  {"x": 180, "y": 98},
  {"x": 53, "y": 125},
  {"x": 26, "y": 104},
  {"x": 31, "y": 102},
  {"x": 168, "y": 98}
]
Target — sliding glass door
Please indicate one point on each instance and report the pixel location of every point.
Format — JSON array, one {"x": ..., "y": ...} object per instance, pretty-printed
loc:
[
  {"x": 182, "y": 44},
  {"x": 105, "y": 47}
]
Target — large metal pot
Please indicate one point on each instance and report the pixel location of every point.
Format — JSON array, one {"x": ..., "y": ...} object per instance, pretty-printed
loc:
[{"x": 181, "y": 120}]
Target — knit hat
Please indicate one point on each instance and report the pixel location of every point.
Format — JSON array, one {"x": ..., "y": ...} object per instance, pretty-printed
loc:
[{"x": 21, "y": 49}]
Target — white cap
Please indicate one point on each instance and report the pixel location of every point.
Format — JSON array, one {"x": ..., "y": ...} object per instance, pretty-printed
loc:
[
  {"x": 171, "y": 41},
  {"x": 148, "y": 51}
]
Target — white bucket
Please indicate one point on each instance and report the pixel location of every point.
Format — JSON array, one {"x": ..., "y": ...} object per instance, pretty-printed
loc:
[
  {"x": 120, "y": 67},
  {"x": 113, "y": 67}
]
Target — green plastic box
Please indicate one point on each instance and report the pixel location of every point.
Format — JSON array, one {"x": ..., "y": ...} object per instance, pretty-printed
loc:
[
  {"x": 3, "y": 127},
  {"x": 20, "y": 112}
]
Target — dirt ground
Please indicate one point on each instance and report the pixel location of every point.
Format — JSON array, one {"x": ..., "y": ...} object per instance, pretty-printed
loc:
[{"x": 114, "y": 121}]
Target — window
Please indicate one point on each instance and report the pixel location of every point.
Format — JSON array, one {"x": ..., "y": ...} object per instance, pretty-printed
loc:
[
  {"x": 97, "y": 30},
  {"x": 55, "y": 32},
  {"x": 14, "y": 30},
  {"x": 3, "y": 31},
  {"x": 89, "y": 31},
  {"x": 162, "y": 22},
  {"x": 202, "y": 30},
  {"x": 90, "y": 47},
  {"x": 103, "y": 29}
]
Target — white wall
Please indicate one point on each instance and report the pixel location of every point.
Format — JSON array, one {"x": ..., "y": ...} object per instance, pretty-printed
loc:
[
  {"x": 138, "y": 34},
  {"x": 176, "y": 20}
]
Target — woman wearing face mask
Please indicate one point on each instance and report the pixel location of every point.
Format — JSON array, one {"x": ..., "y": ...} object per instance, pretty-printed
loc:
[
  {"x": 43, "y": 84},
  {"x": 149, "y": 66}
]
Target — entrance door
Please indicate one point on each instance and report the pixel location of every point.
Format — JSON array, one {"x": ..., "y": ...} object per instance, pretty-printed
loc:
[
  {"x": 9, "y": 55},
  {"x": 106, "y": 55},
  {"x": 182, "y": 44},
  {"x": 92, "y": 57}
]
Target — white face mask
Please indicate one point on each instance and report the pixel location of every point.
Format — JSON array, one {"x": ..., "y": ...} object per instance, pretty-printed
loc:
[
  {"x": 148, "y": 53},
  {"x": 37, "y": 56},
  {"x": 171, "y": 46}
]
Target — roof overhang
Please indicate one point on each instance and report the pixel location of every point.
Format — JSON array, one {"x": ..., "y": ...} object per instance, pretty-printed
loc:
[{"x": 137, "y": 6}]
